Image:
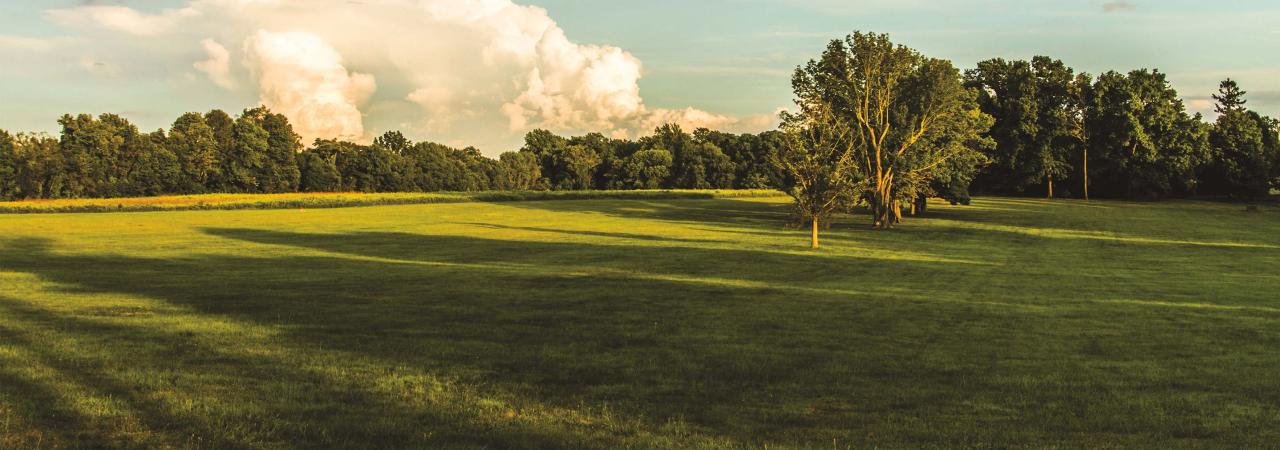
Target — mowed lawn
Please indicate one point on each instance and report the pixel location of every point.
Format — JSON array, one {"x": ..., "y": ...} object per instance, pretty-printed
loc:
[{"x": 642, "y": 323}]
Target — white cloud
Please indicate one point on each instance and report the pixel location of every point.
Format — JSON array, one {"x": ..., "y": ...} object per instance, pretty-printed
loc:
[
  {"x": 99, "y": 68},
  {"x": 33, "y": 44},
  {"x": 482, "y": 71},
  {"x": 302, "y": 76},
  {"x": 121, "y": 18},
  {"x": 218, "y": 66},
  {"x": 691, "y": 119}
]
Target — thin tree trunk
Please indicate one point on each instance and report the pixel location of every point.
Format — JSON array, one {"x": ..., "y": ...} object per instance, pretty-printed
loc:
[
  {"x": 1050, "y": 186},
  {"x": 1086, "y": 173},
  {"x": 815, "y": 232}
]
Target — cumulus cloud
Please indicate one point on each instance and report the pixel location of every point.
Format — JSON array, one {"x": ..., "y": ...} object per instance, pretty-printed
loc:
[
  {"x": 218, "y": 66},
  {"x": 1118, "y": 7},
  {"x": 302, "y": 76},
  {"x": 463, "y": 69}
]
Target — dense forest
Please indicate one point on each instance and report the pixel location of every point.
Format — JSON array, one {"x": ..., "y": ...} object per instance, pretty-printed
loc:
[{"x": 1033, "y": 128}]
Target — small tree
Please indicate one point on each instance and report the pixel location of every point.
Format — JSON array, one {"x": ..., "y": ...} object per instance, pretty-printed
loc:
[
  {"x": 817, "y": 160},
  {"x": 1229, "y": 97}
]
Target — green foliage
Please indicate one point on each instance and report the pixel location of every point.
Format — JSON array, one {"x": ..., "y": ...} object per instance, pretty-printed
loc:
[
  {"x": 9, "y": 167},
  {"x": 156, "y": 169},
  {"x": 192, "y": 140},
  {"x": 918, "y": 128},
  {"x": 572, "y": 167},
  {"x": 817, "y": 161},
  {"x": 1230, "y": 97},
  {"x": 520, "y": 172},
  {"x": 317, "y": 173},
  {"x": 394, "y": 141},
  {"x": 1242, "y": 160},
  {"x": 645, "y": 169},
  {"x": 1037, "y": 129},
  {"x": 1141, "y": 141},
  {"x": 246, "y": 158},
  {"x": 909, "y": 117}
]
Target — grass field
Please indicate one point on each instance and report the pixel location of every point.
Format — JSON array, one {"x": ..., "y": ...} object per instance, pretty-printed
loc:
[
  {"x": 643, "y": 323},
  {"x": 342, "y": 200}
]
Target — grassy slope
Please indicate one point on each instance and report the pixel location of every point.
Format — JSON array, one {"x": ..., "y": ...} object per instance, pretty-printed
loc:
[{"x": 646, "y": 323}]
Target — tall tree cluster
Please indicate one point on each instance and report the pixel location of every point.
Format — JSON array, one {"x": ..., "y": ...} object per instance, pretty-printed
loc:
[
  {"x": 903, "y": 123},
  {"x": 671, "y": 158},
  {"x": 1117, "y": 135}
]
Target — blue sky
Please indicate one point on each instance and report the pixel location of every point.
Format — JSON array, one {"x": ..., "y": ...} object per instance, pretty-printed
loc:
[{"x": 728, "y": 60}]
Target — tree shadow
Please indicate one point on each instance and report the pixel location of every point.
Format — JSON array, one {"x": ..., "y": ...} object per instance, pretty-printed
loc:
[
  {"x": 548, "y": 325},
  {"x": 721, "y": 211},
  {"x": 127, "y": 373},
  {"x": 604, "y": 234}
]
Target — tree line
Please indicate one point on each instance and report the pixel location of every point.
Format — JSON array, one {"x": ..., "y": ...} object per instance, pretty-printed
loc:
[
  {"x": 882, "y": 126},
  {"x": 875, "y": 124},
  {"x": 258, "y": 152}
]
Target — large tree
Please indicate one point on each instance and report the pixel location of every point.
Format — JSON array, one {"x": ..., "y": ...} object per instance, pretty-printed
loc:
[
  {"x": 279, "y": 169},
  {"x": 155, "y": 169},
  {"x": 1141, "y": 141},
  {"x": 245, "y": 158},
  {"x": 909, "y": 114},
  {"x": 645, "y": 169},
  {"x": 317, "y": 173},
  {"x": 192, "y": 140},
  {"x": 9, "y": 162},
  {"x": 520, "y": 172},
  {"x": 98, "y": 154},
  {"x": 1037, "y": 124},
  {"x": 1241, "y": 165},
  {"x": 1243, "y": 148}
]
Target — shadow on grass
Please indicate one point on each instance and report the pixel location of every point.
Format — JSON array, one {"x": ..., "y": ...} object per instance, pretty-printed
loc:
[
  {"x": 545, "y": 326},
  {"x": 604, "y": 234},
  {"x": 747, "y": 346}
]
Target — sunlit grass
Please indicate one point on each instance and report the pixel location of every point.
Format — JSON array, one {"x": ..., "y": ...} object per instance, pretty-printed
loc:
[
  {"x": 342, "y": 200},
  {"x": 643, "y": 322}
]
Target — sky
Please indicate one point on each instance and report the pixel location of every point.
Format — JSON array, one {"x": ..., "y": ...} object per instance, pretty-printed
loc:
[{"x": 483, "y": 72}]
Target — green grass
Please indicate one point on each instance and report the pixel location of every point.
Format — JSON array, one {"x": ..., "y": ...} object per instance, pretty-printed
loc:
[
  {"x": 342, "y": 200},
  {"x": 645, "y": 323}
]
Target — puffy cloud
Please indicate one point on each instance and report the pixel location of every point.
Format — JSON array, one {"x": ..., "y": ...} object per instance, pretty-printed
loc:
[
  {"x": 302, "y": 76},
  {"x": 218, "y": 66},
  {"x": 480, "y": 71}
]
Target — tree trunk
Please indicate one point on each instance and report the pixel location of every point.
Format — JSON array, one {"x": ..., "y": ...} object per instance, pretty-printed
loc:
[
  {"x": 815, "y": 232},
  {"x": 1086, "y": 173},
  {"x": 884, "y": 209},
  {"x": 1050, "y": 186}
]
